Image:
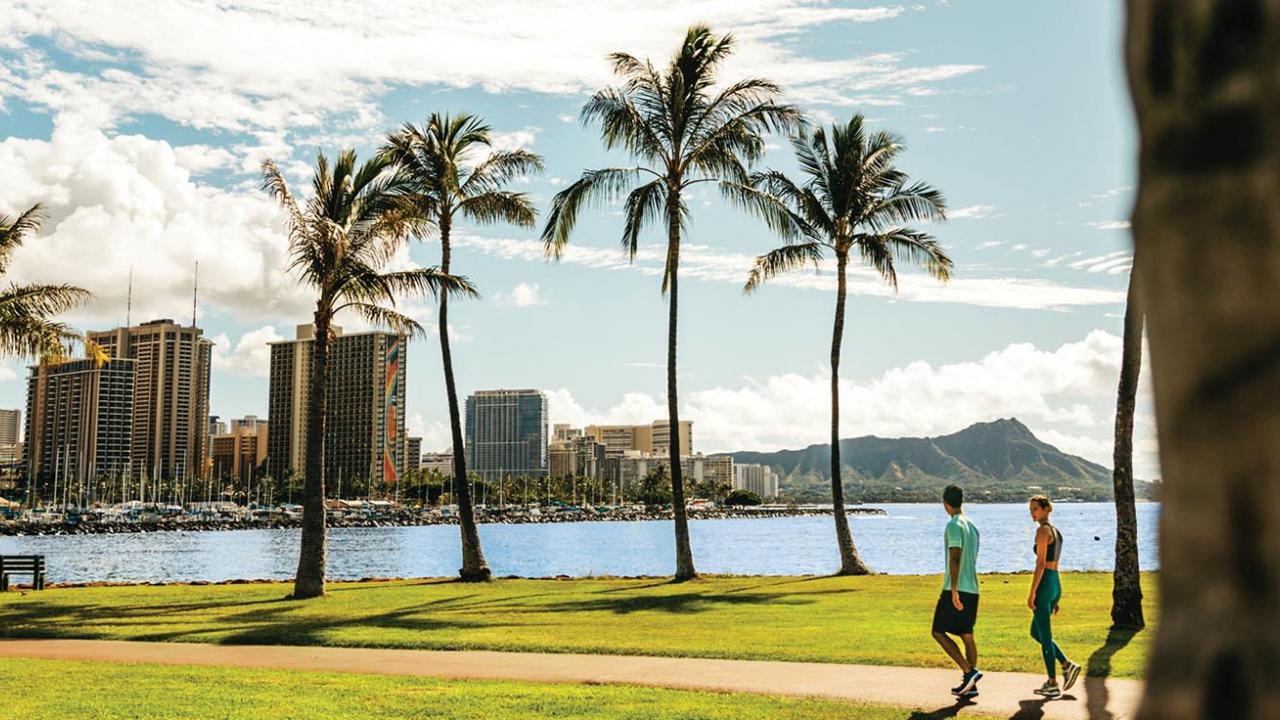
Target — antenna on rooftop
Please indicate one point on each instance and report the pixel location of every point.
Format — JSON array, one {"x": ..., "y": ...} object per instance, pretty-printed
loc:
[
  {"x": 128, "y": 303},
  {"x": 195, "y": 293}
]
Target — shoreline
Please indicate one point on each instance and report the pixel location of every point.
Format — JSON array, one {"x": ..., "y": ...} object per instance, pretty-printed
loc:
[{"x": 28, "y": 529}]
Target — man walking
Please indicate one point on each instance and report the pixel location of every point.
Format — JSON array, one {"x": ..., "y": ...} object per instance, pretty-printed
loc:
[{"x": 957, "y": 608}]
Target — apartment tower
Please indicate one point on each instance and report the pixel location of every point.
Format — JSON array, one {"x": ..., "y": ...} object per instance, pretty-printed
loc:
[
  {"x": 506, "y": 433},
  {"x": 365, "y": 407},
  {"x": 170, "y": 395}
]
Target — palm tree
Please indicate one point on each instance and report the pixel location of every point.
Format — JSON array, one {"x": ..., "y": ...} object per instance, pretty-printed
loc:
[
  {"x": 1126, "y": 590},
  {"x": 26, "y": 310},
  {"x": 447, "y": 182},
  {"x": 681, "y": 133},
  {"x": 853, "y": 200},
  {"x": 339, "y": 240}
]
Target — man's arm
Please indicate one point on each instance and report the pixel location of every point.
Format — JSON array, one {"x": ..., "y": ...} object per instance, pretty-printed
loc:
[{"x": 954, "y": 556}]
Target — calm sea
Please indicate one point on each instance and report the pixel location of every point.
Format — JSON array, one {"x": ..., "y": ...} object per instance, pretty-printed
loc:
[{"x": 906, "y": 541}]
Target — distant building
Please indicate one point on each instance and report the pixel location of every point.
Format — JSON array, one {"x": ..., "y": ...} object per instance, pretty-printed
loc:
[
  {"x": 217, "y": 426},
  {"x": 241, "y": 452},
  {"x": 506, "y": 433},
  {"x": 576, "y": 457},
  {"x": 250, "y": 422},
  {"x": 413, "y": 460},
  {"x": 633, "y": 466},
  {"x": 79, "y": 421},
  {"x": 438, "y": 462},
  {"x": 365, "y": 410},
  {"x": 651, "y": 439},
  {"x": 10, "y": 427},
  {"x": 759, "y": 479},
  {"x": 561, "y": 432},
  {"x": 170, "y": 424}
]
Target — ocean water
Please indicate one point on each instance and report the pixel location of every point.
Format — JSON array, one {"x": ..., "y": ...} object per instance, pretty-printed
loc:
[{"x": 905, "y": 541}]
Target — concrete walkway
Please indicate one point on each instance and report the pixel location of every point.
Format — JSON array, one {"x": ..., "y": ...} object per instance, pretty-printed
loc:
[{"x": 1002, "y": 694}]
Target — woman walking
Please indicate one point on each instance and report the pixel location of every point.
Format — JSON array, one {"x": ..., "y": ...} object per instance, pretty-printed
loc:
[{"x": 1046, "y": 590}]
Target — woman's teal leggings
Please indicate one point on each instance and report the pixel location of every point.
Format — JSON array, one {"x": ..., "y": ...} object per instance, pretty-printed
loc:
[{"x": 1047, "y": 595}]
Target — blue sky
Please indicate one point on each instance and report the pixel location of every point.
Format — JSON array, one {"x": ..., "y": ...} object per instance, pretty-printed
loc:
[{"x": 141, "y": 127}]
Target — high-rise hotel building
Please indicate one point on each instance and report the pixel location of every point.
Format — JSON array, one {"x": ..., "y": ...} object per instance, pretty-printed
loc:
[
  {"x": 170, "y": 417},
  {"x": 79, "y": 420},
  {"x": 365, "y": 406},
  {"x": 506, "y": 433}
]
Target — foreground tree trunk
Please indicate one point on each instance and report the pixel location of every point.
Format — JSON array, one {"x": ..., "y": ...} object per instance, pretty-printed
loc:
[
  {"x": 850, "y": 562},
  {"x": 474, "y": 568},
  {"x": 684, "y": 550},
  {"x": 309, "y": 580},
  {"x": 1126, "y": 590},
  {"x": 1205, "y": 78}
]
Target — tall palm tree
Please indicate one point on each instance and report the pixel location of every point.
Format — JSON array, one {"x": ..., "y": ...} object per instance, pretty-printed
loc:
[
  {"x": 853, "y": 200},
  {"x": 681, "y": 133},
  {"x": 448, "y": 181},
  {"x": 340, "y": 238},
  {"x": 27, "y": 328},
  {"x": 1126, "y": 589}
]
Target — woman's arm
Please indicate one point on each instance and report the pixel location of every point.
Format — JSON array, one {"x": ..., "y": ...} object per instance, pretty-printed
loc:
[{"x": 1042, "y": 549}]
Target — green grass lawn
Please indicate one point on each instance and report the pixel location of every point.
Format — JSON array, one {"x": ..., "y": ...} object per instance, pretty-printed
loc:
[
  {"x": 877, "y": 619},
  {"x": 111, "y": 691}
]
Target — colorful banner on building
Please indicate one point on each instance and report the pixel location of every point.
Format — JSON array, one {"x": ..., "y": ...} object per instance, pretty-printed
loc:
[{"x": 391, "y": 432}]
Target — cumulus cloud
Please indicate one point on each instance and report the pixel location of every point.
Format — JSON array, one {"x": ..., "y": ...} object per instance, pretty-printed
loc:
[
  {"x": 522, "y": 295},
  {"x": 122, "y": 202},
  {"x": 250, "y": 357},
  {"x": 1065, "y": 395},
  {"x": 1110, "y": 225},
  {"x": 435, "y": 434},
  {"x": 972, "y": 212},
  {"x": 700, "y": 262},
  {"x": 1113, "y": 263},
  {"x": 202, "y": 64}
]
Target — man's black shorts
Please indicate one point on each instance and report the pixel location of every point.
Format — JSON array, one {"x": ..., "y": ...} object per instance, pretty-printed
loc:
[{"x": 947, "y": 619}]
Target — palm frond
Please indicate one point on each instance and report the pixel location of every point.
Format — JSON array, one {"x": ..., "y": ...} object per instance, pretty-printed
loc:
[
  {"x": 594, "y": 188},
  {"x": 392, "y": 320},
  {"x": 500, "y": 206},
  {"x": 644, "y": 205},
  {"x": 14, "y": 231},
  {"x": 782, "y": 260}
]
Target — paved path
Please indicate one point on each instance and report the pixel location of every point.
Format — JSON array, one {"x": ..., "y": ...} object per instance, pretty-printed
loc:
[{"x": 1002, "y": 694}]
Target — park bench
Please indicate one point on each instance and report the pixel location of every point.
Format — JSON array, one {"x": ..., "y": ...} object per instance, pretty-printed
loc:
[{"x": 32, "y": 565}]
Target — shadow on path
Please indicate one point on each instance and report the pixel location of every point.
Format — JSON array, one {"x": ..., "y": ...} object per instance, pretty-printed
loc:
[{"x": 1099, "y": 669}]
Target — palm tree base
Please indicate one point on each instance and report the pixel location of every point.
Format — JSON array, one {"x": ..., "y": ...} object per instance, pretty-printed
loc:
[
  {"x": 307, "y": 591},
  {"x": 685, "y": 577},
  {"x": 858, "y": 569},
  {"x": 1127, "y": 618},
  {"x": 483, "y": 574}
]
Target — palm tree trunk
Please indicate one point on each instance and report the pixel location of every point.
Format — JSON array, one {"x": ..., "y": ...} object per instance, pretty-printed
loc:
[
  {"x": 1205, "y": 79},
  {"x": 309, "y": 581},
  {"x": 474, "y": 568},
  {"x": 850, "y": 562},
  {"x": 1126, "y": 591},
  {"x": 684, "y": 550}
]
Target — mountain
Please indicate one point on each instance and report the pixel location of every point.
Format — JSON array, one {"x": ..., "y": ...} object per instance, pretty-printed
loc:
[{"x": 1000, "y": 461}]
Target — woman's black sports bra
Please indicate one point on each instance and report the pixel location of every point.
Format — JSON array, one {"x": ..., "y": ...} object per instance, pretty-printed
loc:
[{"x": 1055, "y": 546}]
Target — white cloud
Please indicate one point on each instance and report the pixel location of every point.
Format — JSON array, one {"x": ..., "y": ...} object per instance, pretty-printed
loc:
[
  {"x": 7, "y": 372},
  {"x": 436, "y": 435},
  {"x": 972, "y": 212},
  {"x": 1110, "y": 225},
  {"x": 126, "y": 201},
  {"x": 521, "y": 139},
  {"x": 522, "y": 295},
  {"x": 699, "y": 262},
  {"x": 566, "y": 118},
  {"x": 251, "y": 356},
  {"x": 1066, "y": 395},
  {"x": 1113, "y": 263},
  {"x": 990, "y": 244},
  {"x": 256, "y": 64}
]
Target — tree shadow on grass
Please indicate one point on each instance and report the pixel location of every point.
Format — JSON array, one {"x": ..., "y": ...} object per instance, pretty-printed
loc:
[{"x": 1099, "y": 669}]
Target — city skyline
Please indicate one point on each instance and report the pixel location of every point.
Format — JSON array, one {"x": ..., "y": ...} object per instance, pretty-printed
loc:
[{"x": 1029, "y": 328}]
